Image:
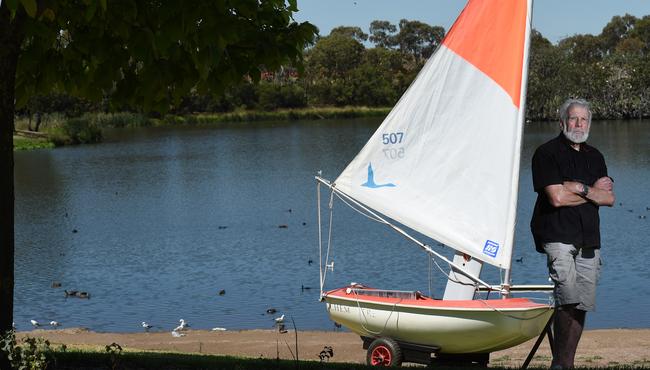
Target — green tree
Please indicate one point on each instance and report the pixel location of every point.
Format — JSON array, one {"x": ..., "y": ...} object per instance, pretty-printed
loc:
[
  {"x": 328, "y": 66},
  {"x": 418, "y": 39},
  {"x": 616, "y": 30},
  {"x": 145, "y": 53},
  {"x": 352, "y": 32},
  {"x": 382, "y": 34},
  {"x": 543, "y": 78},
  {"x": 377, "y": 81}
]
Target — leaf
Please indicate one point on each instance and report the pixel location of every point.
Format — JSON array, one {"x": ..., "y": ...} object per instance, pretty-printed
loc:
[
  {"x": 12, "y": 5},
  {"x": 90, "y": 10},
  {"x": 49, "y": 14},
  {"x": 30, "y": 7}
]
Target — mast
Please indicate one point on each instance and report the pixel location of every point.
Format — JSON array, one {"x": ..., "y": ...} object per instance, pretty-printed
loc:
[{"x": 520, "y": 122}]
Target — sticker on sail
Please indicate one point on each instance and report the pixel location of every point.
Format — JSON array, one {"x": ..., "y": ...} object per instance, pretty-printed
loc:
[
  {"x": 370, "y": 183},
  {"x": 491, "y": 248}
]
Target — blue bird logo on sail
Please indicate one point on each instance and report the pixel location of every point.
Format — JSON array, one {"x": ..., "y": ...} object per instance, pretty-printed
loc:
[{"x": 370, "y": 183}]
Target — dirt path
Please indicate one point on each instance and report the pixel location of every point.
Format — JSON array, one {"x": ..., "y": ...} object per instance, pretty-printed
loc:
[{"x": 629, "y": 347}]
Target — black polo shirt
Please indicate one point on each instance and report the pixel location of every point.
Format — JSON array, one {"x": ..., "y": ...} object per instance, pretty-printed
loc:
[{"x": 553, "y": 163}]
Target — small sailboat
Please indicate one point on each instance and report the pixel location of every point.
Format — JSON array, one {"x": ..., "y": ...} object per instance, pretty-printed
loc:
[{"x": 445, "y": 163}]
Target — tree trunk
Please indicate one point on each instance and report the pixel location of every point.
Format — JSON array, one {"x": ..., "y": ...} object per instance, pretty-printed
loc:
[
  {"x": 11, "y": 36},
  {"x": 37, "y": 125}
]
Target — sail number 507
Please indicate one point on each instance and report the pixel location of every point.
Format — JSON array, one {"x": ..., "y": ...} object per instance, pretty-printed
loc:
[{"x": 392, "y": 138}]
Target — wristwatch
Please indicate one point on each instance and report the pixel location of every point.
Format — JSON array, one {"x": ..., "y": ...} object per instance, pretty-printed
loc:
[{"x": 585, "y": 191}]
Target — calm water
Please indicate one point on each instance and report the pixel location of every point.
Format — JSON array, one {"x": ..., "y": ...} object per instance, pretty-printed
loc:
[{"x": 166, "y": 218}]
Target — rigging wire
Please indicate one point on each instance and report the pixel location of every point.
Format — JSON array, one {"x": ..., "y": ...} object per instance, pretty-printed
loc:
[
  {"x": 320, "y": 241},
  {"x": 329, "y": 233},
  {"x": 365, "y": 214},
  {"x": 323, "y": 272},
  {"x": 430, "y": 274},
  {"x": 371, "y": 215}
]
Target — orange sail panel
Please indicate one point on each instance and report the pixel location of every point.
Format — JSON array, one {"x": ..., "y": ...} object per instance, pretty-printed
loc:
[{"x": 491, "y": 36}]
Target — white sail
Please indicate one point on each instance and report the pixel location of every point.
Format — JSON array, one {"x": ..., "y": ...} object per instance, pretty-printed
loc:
[{"x": 445, "y": 162}]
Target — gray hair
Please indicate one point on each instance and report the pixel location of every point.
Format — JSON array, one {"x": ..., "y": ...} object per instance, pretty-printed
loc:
[{"x": 564, "y": 109}]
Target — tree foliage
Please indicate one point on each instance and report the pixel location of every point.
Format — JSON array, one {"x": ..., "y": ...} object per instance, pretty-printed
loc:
[
  {"x": 610, "y": 69},
  {"x": 138, "y": 53},
  {"x": 351, "y": 32},
  {"x": 151, "y": 54},
  {"x": 381, "y": 34}
]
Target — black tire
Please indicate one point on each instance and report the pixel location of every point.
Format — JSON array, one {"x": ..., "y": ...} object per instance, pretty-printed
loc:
[{"x": 384, "y": 352}]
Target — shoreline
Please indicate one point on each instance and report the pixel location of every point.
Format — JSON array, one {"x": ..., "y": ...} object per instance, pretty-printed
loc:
[
  {"x": 598, "y": 348},
  {"x": 56, "y": 134}
]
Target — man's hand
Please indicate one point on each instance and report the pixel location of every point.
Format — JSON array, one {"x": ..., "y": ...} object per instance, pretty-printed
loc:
[
  {"x": 604, "y": 183},
  {"x": 565, "y": 195}
]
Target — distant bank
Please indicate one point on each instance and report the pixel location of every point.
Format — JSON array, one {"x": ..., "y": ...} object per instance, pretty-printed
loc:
[{"x": 59, "y": 131}]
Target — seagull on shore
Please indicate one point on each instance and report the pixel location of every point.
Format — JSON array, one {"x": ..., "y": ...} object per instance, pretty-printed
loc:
[
  {"x": 54, "y": 323},
  {"x": 280, "y": 319},
  {"x": 35, "y": 323},
  {"x": 182, "y": 326},
  {"x": 219, "y": 329},
  {"x": 146, "y": 326}
]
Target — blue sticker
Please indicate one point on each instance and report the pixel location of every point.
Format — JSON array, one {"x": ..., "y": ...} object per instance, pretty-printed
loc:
[
  {"x": 491, "y": 248},
  {"x": 371, "y": 180}
]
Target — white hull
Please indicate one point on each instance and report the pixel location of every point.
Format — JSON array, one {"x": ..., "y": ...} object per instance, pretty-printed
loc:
[{"x": 475, "y": 326}]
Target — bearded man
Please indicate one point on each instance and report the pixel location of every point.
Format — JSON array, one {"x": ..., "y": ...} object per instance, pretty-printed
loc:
[{"x": 571, "y": 181}]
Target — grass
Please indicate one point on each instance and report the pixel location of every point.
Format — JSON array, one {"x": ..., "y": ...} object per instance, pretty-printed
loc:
[
  {"x": 277, "y": 115},
  {"x": 155, "y": 360},
  {"x": 27, "y": 143},
  {"x": 76, "y": 359}
]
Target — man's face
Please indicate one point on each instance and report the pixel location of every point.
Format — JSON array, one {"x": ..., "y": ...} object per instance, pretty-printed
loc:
[{"x": 576, "y": 127}]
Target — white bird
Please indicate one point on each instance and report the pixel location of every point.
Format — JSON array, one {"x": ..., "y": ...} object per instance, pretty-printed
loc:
[
  {"x": 280, "y": 319},
  {"x": 182, "y": 326},
  {"x": 176, "y": 334},
  {"x": 219, "y": 329},
  {"x": 35, "y": 323},
  {"x": 146, "y": 326},
  {"x": 54, "y": 323}
]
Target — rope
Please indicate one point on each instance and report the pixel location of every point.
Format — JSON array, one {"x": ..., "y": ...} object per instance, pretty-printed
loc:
[
  {"x": 356, "y": 294},
  {"x": 365, "y": 214},
  {"x": 455, "y": 280},
  {"x": 485, "y": 302}
]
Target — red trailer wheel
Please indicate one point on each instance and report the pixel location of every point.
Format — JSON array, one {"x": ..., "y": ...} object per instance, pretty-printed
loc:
[{"x": 384, "y": 352}]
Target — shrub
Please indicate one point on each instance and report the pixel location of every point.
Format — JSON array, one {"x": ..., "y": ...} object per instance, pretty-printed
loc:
[
  {"x": 33, "y": 354},
  {"x": 82, "y": 130}
]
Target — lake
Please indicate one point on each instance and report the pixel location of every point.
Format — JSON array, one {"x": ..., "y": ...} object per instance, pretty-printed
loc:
[{"x": 155, "y": 222}]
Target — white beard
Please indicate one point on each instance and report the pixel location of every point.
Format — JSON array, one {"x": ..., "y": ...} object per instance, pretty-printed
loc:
[{"x": 576, "y": 137}]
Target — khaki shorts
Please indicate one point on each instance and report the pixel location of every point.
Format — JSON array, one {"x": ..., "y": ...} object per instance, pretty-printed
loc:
[{"x": 575, "y": 272}]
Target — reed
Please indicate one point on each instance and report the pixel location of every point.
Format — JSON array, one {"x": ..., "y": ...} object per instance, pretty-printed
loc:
[{"x": 277, "y": 115}]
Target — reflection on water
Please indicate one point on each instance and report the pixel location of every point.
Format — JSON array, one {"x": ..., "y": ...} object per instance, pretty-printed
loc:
[{"x": 155, "y": 222}]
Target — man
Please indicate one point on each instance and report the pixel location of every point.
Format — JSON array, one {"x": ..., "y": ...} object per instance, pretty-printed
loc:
[{"x": 570, "y": 178}]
